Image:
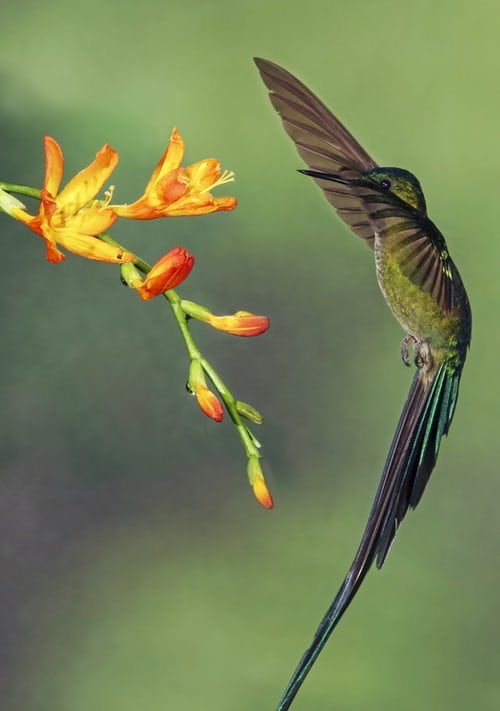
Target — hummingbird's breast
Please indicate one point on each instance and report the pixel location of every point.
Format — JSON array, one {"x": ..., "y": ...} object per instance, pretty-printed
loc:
[{"x": 414, "y": 307}]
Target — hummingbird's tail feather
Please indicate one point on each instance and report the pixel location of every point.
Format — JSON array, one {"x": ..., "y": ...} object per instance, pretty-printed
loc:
[{"x": 426, "y": 417}]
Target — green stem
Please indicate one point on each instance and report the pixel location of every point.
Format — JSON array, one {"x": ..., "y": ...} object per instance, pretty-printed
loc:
[
  {"x": 250, "y": 443},
  {"x": 25, "y": 190}
]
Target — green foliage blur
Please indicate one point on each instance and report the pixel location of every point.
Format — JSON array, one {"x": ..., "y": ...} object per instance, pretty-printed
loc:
[{"x": 138, "y": 572}]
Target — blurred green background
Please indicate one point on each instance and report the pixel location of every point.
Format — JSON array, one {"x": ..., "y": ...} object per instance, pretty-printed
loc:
[{"x": 138, "y": 572}]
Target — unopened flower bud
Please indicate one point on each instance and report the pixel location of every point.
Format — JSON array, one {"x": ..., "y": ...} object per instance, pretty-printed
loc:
[
  {"x": 257, "y": 481},
  {"x": 249, "y": 412}
]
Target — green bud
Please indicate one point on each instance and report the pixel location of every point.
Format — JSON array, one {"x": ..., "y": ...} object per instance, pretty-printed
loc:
[{"x": 249, "y": 412}]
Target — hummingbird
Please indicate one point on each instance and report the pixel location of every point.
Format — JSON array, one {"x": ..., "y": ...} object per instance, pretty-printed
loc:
[{"x": 386, "y": 207}]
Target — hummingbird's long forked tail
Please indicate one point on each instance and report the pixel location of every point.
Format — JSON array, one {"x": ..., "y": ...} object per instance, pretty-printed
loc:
[{"x": 426, "y": 417}]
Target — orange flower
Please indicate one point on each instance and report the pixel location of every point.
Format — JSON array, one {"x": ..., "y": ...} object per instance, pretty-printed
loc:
[
  {"x": 71, "y": 217},
  {"x": 242, "y": 323},
  {"x": 167, "y": 273},
  {"x": 173, "y": 190}
]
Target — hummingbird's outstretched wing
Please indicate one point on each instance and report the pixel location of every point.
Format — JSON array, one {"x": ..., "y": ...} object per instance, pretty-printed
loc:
[
  {"x": 425, "y": 419},
  {"x": 322, "y": 141},
  {"x": 327, "y": 147}
]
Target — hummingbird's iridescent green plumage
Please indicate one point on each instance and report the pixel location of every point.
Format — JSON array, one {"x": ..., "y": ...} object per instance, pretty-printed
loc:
[{"x": 422, "y": 287}]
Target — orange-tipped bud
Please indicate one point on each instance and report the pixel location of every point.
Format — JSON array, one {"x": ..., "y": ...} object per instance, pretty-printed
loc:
[
  {"x": 197, "y": 385},
  {"x": 262, "y": 493},
  {"x": 257, "y": 481},
  {"x": 242, "y": 323},
  {"x": 167, "y": 273},
  {"x": 209, "y": 403}
]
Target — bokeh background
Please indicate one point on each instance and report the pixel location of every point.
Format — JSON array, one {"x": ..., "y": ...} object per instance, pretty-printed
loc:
[{"x": 137, "y": 570}]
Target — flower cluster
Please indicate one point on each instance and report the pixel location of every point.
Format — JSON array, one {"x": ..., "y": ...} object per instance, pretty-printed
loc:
[{"x": 74, "y": 219}]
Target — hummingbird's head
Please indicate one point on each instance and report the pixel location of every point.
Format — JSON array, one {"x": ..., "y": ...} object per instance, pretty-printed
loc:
[{"x": 401, "y": 183}]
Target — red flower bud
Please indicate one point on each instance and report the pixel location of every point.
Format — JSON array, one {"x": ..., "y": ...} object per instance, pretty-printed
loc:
[{"x": 167, "y": 273}]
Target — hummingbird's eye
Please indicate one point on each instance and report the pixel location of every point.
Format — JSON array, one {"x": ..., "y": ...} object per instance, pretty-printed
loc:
[{"x": 386, "y": 184}]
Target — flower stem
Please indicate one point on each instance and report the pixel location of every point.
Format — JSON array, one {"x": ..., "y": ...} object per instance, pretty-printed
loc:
[
  {"x": 25, "y": 190},
  {"x": 249, "y": 441}
]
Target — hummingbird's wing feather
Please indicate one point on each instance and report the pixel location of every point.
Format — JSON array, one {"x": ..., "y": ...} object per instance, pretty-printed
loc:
[
  {"x": 322, "y": 141},
  {"x": 425, "y": 419},
  {"x": 414, "y": 242},
  {"x": 422, "y": 263}
]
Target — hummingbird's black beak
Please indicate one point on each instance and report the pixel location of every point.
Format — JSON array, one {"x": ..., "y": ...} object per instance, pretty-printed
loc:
[{"x": 324, "y": 176}]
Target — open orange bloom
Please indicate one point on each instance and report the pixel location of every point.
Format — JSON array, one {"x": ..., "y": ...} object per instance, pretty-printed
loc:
[
  {"x": 69, "y": 218},
  {"x": 173, "y": 190}
]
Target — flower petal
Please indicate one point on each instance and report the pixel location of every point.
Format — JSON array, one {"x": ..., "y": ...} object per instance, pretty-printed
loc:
[
  {"x": 170, "y": 160},
  {"x": 93, "y": 248},
  {"x": 54, "y": 164},
  {"x": 202, "y": 204},
  {"x": 85, "y": 185},
  {"x": 52, "y": 254},
  {"x": 204, "y": 174},
  {"x": 94, "y": 220}
]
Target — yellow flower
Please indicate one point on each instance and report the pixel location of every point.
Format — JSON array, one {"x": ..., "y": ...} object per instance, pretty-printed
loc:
[
  {"x": 173, "y": 190},
  {"x": 71, "y": 218}
]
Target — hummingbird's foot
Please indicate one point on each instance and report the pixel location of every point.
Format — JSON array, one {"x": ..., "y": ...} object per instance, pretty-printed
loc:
[
  {"x": 407, "y": 340},
  {"x": 423, "y": 355}
]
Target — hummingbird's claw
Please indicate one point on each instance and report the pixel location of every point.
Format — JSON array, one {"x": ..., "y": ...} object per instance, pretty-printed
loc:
[
  {"x": 404, "y": 348},
  {"x": 421, "y": 351},
  {"x": 423, "y": 355}
]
